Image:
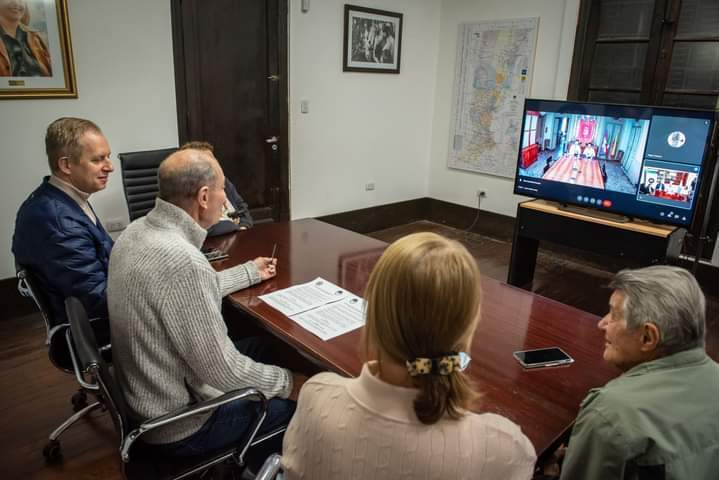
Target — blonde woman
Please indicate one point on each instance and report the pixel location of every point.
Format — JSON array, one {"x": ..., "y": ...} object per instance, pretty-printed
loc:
[{"x": 406, "y": 416}]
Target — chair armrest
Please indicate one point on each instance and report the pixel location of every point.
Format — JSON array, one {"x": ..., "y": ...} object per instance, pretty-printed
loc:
[
  {"x": 108, "y": 346},
  {"x": 76, "y": 365},
  {"x": 190, "y": 410},
  {"x": 270, "y": 468}
]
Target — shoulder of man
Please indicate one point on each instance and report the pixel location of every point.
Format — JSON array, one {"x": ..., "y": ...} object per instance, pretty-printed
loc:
[
  {"x": 609, "y": 397},
  {"x": 141, "y": 239},
  {"x": 613, "y": 407},
  {"x": 44, "y": 209}
]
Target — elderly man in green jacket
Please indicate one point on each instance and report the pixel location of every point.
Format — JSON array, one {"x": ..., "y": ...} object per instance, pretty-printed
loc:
[{"x": 660, "y": 419}]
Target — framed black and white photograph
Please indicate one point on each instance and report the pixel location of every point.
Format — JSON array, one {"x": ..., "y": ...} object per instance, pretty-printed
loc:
[
  {"x": 372, "y": 40},
  {"x": 35, "y": 50}
]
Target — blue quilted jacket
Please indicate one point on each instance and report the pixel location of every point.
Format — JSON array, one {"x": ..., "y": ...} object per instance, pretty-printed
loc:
[{"x": 69, "y": 254}]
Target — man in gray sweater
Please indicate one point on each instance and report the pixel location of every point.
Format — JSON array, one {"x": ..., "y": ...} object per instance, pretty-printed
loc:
[{"x": 169, "y": 339}]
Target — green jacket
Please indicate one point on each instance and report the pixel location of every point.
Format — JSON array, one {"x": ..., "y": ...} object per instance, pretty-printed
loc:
[{"x": 659, "y": 420}]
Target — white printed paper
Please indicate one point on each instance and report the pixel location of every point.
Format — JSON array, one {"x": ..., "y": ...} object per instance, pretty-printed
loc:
[
  {"x": 300, "y": 298},
  {"x": 334, "y": 319},
  {"x": 319, "y": 306}
]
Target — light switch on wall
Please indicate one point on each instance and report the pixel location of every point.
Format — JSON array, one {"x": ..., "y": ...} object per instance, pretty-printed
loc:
[{"x": 305, "y": 106}]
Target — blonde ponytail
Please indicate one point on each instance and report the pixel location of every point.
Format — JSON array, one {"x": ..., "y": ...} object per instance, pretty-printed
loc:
[{"x": 423, "y": 300}]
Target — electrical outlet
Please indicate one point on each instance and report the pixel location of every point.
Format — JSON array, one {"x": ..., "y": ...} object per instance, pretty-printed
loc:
[
  {"x": 115, "y": 225},
  {"x": 369, "y": 186},
  {"x": 481, "y": 193}
]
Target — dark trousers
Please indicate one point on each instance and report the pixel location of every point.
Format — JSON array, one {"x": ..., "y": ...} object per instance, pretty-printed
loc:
[{"x": 229, "y": 424}]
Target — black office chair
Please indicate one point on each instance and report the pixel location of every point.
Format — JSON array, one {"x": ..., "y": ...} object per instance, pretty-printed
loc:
[
  {"x": 139, "y": 179},
  {"x": 60, "y": 351},
  {"x": 141, "y": 460}
]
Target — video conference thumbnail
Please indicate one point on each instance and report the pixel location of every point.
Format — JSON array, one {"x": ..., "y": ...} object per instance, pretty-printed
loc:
[
  {"x": 667, "y": 186},
  {"x": 677, "y": 139}
]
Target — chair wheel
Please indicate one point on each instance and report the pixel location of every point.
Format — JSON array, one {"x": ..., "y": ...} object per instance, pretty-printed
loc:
[
  {"x": 79, "y": 401},
  {"x": 52, "y": 452}
]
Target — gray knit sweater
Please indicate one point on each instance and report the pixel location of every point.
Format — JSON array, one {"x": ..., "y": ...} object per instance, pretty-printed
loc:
[{"x": 164, "y": 300}]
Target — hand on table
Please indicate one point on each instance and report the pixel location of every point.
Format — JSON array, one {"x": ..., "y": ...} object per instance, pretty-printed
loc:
[{"x": 267, "y": 267}]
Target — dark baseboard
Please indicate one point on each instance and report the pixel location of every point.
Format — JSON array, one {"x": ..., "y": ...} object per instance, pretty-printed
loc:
[
  {"x": 490, "y": 224},
  {"x": 372, "y": 219},
  {"x": 14, "y": 304},
  {"x": 391, "y": 215}
]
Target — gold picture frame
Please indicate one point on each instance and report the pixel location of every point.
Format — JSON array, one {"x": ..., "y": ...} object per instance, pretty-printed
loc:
[{"x": 36, "y": 60}]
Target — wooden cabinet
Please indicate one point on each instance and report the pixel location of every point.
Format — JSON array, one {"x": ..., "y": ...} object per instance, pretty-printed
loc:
[{"x": 638, "y": 243}]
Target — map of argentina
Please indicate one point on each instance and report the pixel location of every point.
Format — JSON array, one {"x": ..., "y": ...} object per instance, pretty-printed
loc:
[{"x": 494, "y": 66}]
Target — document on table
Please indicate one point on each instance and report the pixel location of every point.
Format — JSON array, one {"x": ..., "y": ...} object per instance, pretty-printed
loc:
[
  {"x": 303, "y": 297},
  {"x": 319, "y": 306},
  {"x": 333, "y": 319}
]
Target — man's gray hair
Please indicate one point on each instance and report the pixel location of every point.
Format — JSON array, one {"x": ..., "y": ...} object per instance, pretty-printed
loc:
[
  {"x": 668, "y": 297},
  {"x": 178, "y": 185}
]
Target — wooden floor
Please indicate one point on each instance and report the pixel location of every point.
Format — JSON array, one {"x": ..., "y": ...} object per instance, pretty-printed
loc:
[{"x": 35, "y": 397}]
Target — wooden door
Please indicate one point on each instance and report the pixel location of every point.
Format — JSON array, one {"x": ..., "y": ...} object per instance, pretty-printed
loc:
[{"x": 230, "y": 75}]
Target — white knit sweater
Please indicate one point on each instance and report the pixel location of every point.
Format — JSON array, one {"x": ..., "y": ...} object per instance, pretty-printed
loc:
[
  {"x": 366, "y": 429},
  {"x": 164, "y": 300}
]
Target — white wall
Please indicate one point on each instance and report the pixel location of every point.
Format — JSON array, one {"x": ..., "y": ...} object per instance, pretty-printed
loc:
[
  {"x": 388, "y": 129},
  {"x": 361, "y": 127},
  {"x": 125, "y": 80},
  {"x": 555, "y": 45}
]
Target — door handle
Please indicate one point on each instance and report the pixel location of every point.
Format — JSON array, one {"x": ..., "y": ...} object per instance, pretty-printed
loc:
[{"x": 272, "y": 139}]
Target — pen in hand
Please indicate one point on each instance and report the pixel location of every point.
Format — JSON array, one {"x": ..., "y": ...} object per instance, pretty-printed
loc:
[
  {"x": 267, "y": 265},
  {"x": 272, "y": 266}
]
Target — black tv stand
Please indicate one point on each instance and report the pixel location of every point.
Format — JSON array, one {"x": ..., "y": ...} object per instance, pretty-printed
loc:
[
  {"x": 639, "y": 243},
  {"x": 589, "y": 212}
]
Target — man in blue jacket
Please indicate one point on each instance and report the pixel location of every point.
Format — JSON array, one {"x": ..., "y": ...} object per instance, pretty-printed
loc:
[{"x": 57, "y": 236}]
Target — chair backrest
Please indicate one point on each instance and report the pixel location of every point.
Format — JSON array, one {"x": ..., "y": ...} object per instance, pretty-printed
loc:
[
  {"x": 92, "y": 362},
  {"x": 28, "y": 286},
  {"x": 139, "y": 179},
  {"x": 57, "y": 348}
]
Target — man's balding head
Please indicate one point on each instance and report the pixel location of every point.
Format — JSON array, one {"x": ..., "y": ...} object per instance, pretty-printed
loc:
[
  {"x": 184, "y": 173},
  {"x": 192, "y": 179}
]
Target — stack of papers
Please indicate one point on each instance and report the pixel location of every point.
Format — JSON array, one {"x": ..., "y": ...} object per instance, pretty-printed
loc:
[{"x": 319, "y": 306}]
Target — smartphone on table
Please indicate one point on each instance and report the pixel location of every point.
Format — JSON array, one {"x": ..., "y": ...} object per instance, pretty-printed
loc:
[
  {"x": 213, "y": 254},
  {"x": 543, "y": 357}
]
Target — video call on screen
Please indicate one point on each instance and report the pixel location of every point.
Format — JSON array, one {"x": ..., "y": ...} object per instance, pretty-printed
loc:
[{"x": 638, "y": 161}]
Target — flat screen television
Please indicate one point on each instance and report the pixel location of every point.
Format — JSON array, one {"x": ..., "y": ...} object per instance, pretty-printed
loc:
[{"x": 637, "y": 161}]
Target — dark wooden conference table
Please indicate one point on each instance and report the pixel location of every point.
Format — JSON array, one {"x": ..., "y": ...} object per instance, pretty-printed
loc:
[{"x": 544, "y": 402}]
